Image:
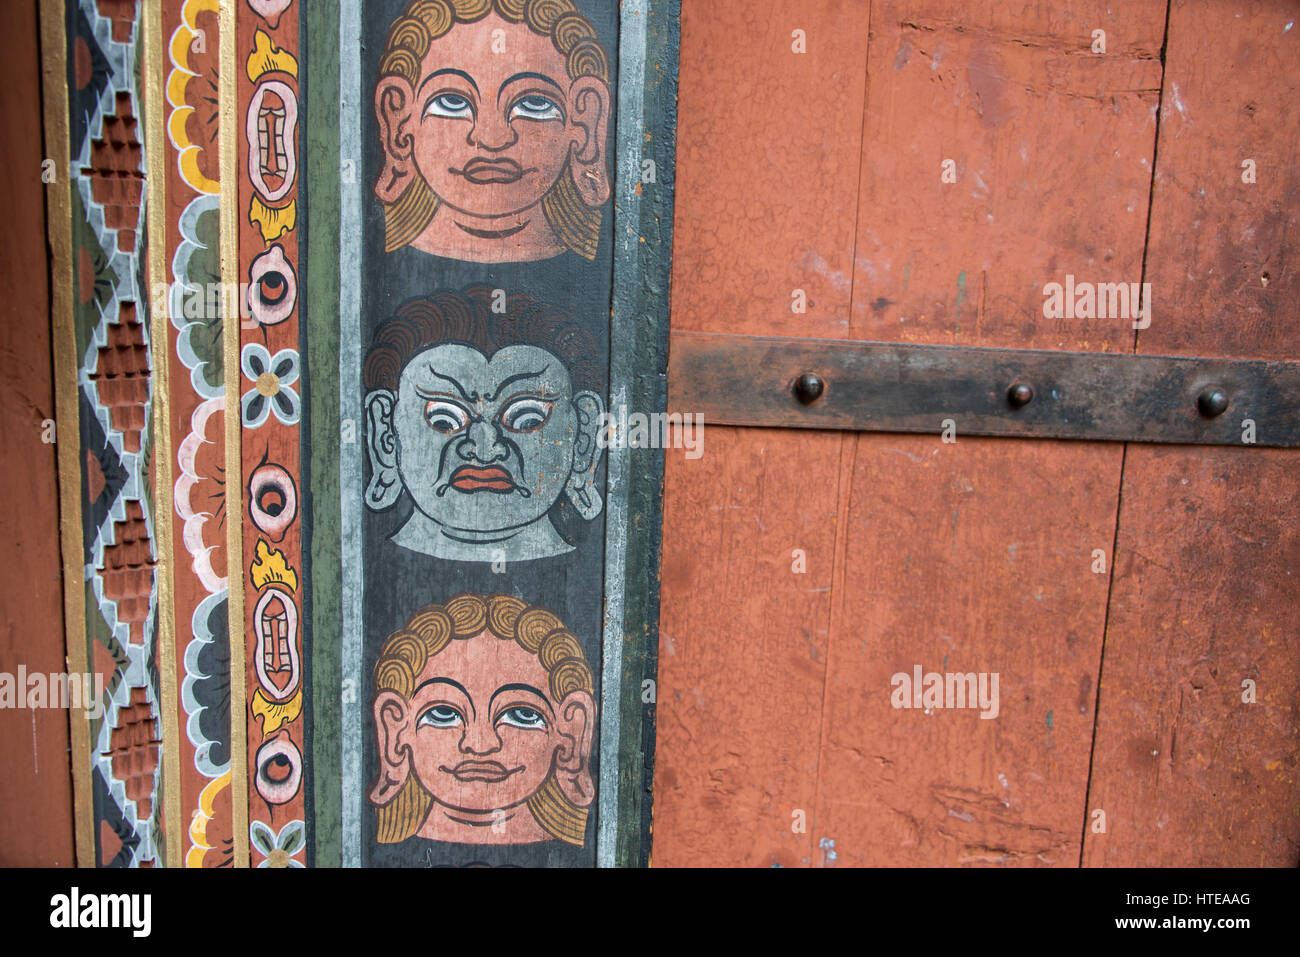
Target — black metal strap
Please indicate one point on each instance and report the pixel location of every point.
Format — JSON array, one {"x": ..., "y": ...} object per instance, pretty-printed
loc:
[{"x": 1030, "y": 393}]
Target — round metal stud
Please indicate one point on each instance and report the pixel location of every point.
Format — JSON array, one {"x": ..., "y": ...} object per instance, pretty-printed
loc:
[
  {"x": 1212, "y": 402},
  {"x": 808, "y": 388},
  {"x": 1020, "y": 394}
]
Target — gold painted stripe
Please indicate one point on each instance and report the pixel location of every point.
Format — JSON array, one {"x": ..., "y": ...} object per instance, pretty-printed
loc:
[
  {"x": 228, "y": 146},
  {"x": 155, "y": 150},
  {"x": 58, "y": 219}
]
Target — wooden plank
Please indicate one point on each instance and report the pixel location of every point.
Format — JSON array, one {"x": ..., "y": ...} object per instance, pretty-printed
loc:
[
  {"x": 276, "y": 769},
  {"x": 742, "y": 647},
  {"x": 1186, "y": 771},
  {"x": 1051, "y": 152},
  {"x": 765, "y": 202},
  {"x": 649, "y": 44},
  {"x": 966, "y": 558},
  {"x": 36, "y": 790},
  {"x": 105, "y": 383},
  {"x": 186, "y": 157},
  {"x": 976, "y": 557},
  {"x": 767, "y": 186}
]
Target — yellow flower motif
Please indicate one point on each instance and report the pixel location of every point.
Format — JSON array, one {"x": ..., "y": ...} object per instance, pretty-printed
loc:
[
  {"x": 204, "y": 813},
  {"x": 273, "y": 715},
  {"x": 270, "y": 566},
  {"x": 189, "y": 43},
  {"x": 269, "y": 58},
  {"x": 273, "y": 222}
]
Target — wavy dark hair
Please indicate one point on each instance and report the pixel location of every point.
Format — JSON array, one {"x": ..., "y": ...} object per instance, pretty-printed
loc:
[{"x": 467, "y": 318}]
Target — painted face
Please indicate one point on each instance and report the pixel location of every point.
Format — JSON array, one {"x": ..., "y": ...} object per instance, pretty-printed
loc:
[
  {"x": 485, "y": 446},
  {"x": 492, "y": 127},
  {"x": 482, "y": 728}
]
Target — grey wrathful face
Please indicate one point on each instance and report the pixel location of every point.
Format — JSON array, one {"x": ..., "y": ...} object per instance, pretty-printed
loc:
[{"x": 485, "y": 445}]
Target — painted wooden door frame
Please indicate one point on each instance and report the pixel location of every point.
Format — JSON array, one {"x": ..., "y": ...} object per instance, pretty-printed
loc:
[{"x": 320, "y": 59}]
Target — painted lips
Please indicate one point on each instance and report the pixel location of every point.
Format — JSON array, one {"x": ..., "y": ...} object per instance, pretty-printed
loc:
[
  {"x": 469, "y": 478},
  {"x": 489, "y": 771},
  {"x": 484, "y": 172}
]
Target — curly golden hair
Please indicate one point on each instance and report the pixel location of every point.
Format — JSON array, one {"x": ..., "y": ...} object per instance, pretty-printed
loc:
[
  {"x": 574, "y": 222},
  {"x": 538, "y": 631}
]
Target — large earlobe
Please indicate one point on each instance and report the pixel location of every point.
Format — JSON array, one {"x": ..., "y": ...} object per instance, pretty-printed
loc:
[
  {"x": 395, "y": 110},
  {"x": 576, "y": 723},
  {"x": 589, "y": 159},
  {"x": 394, "y": 757},
  {"x": 385, "y": 485},
  {"x": 581, "y": 487}
]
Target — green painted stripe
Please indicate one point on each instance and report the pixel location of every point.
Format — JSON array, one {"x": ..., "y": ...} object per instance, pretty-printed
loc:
[{"x": 319, "y": 279}]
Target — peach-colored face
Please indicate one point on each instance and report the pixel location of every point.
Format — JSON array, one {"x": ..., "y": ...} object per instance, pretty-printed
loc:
[
  {"x": 492, "y": 130},
  {"x": 481, "y": 726}
]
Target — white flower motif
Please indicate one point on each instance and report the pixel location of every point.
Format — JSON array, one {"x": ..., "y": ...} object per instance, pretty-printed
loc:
[
  {"x": 271, "y": 376},
  {"x": 278, "y": 849}
]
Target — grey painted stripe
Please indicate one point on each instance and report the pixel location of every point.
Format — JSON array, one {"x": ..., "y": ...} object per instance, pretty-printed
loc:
[
  {"x": 627, "y": 214},
  {"x": 350, "y": 412}
]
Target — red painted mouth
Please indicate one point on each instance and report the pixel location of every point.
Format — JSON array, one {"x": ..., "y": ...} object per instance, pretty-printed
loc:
[
  {"x": 489, "y": 771},
  {"x": 468, "y": 478},
  {"x": 486, "y": 172}
]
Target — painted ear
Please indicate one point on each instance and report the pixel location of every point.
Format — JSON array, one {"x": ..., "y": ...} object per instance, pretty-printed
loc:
[
  {"x": 381, "y": 444},
  {"x": 394, "y": 757},
  {"x": 576, "y": 727},
  {"x": 581, "y": 487},
  {"x": 395, "y": 110},
  {"x": 588, "y": 162}
]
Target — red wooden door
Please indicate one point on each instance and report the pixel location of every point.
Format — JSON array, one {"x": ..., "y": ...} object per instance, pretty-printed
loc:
[{"x": 802, "y": 570}]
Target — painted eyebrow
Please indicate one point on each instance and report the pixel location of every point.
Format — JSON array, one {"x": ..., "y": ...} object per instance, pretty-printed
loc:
[
  {"x": 533, "y": 394},
  {"x": 515, "y": 378},
  {"x": 460, "y": 73},
  {"x": 521, "y": 687},
  {"x": 434, "y": 395},
  {"x": 455, "y": 684},
  {"x": 459, "y": 388},
  {"x": 491, "y": 396},
  {"x": 526, "y": 76}
]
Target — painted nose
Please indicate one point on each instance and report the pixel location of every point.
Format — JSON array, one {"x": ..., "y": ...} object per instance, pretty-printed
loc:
[
  {"x": 480, "y": 738},
  {"x": 492, "y": 132},
  {"x": 482, "y": 443}
]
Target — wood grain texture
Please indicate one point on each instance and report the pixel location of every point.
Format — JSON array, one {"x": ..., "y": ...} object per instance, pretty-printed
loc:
[
  {"x": 926, "y": 555},
  {"x": 765, "y": 202},
  {"x": 36, "y": 788},
  {"x": 977, "y": 556},
  {"x": 967, "y": 557},
  {"x": 767, "y": 165},
  {"x": 1051, "y": 146},
  {"x": 1205, "y": 585},
  {"x": 742, "y": 647},
  {"x": 1205, "y": 593}
]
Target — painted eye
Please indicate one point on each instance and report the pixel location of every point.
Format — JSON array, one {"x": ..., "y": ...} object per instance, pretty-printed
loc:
[
  {"x": 526, "y": 415},
  {"x": 279, "y": 769},
  {"x": 521, "y": 717},
  {"x": 451, "y": 105},
  {"x": 273, "y": 287},
  {"x": 272, "y": 500},
  {"x": 536, "y": 107},
  {"x": 445, "y": 417},
  {"x": 441, "y": 716}
]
